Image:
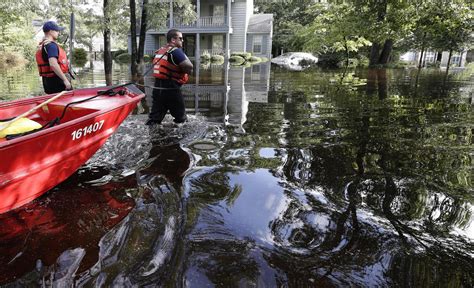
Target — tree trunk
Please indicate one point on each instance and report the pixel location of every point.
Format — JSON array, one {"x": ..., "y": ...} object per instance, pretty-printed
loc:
[
  {"x": 133, "y": 40},
  {"x": 386, "y": 51},
  {"x": 420, "y": 63},
  {"x": 107, "y": 46},
  {"x": 374, "y": 54},
  {"x": 449, "y": 61},
  {"x": 382, "y": 84},
  {"x": 347, "y": 52},
  {"x": 447, "y": 65},
  {"x": 143, "y": 26}
]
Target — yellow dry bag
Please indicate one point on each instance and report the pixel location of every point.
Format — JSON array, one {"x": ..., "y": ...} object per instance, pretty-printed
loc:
[{"x": 21, "y": 125}]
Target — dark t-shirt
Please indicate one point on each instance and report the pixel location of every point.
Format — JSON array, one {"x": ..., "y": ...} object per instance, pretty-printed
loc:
[
  {"x": 52, "y": 50},
  {"x": 52, "y": 84},
  {"x": 178, "y": 56}
]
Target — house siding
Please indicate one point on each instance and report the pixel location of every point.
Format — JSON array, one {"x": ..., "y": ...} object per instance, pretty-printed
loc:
[
  {"x": 151, "y": 44},
  {"x": 239, "y": 23}
]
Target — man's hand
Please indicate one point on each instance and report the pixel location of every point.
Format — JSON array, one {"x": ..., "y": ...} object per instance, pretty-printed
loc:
[{"x": 67, "y": 84}]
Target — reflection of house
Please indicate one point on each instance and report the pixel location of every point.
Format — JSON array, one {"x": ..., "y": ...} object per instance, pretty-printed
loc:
[
  {"x": 431, "y": 58},
  {"x": 230, "y": 98},
  {"x": 222, "y": 26}
]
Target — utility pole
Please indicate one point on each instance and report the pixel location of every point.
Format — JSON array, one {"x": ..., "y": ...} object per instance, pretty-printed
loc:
[{"x": 72, "y": 28}]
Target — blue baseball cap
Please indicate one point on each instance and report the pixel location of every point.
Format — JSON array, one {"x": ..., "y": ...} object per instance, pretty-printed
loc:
[{"x": 51, "y": 25}]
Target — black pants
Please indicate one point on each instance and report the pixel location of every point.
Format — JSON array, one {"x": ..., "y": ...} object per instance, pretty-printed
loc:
[
  {"x": 53, "y": 85},
  {"x": 164, "y": 100}
]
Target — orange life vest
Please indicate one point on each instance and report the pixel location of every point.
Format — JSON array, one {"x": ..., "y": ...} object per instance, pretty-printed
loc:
[
  {"x": 44, "y": 68},
  {"x": 164, "y": 68}
]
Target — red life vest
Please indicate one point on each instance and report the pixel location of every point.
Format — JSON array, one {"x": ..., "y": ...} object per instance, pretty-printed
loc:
[
  {"x": 164, "y": 68},
  {"x": 44, "y": 68}
]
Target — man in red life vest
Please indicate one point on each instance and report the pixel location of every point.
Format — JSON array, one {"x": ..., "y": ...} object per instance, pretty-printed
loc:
[
  {"x": 171, "y": 69},
  {"x": 52, "y": 60}
]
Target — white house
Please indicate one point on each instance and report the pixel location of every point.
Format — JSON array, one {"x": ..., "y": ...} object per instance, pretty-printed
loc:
[
  {"x": 222, "y": 27},
  {"x": 458, "y": 59}
]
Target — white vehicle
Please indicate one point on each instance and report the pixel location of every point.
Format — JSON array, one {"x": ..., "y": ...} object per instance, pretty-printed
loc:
[{"x": 295, "y": 61}]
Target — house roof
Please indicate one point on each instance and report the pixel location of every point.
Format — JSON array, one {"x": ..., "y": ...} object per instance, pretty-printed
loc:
[{"x": 260, "y": 23}]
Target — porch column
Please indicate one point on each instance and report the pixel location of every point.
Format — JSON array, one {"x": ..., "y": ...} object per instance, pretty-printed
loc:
[
  {"x": 228, "y": 14},
  {"x": 198, "y": 7},
  {"x": 171, "y": 15},
  {"x": 229, "y": 27},
  {"x": 227, "y": 45},
  {"x": 198, "y": 46},
  {"x": 196, "y": 68}
]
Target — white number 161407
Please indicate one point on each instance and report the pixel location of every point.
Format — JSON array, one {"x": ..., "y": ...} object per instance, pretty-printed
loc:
[{"x": 87, "y": 130}]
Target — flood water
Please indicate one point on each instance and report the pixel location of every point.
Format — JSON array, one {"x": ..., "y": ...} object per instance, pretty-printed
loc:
[{"x": 361, "y": 178}]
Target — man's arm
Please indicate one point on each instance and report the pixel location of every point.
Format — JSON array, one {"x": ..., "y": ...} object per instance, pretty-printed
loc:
[
  {"x": 187, "y": 66},
  {"x": 178, "y": 56},
  {"x": 53, "y": 62}
]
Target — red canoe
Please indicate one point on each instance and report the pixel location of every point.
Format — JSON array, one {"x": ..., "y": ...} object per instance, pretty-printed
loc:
[{"x": 32, "y": 164}]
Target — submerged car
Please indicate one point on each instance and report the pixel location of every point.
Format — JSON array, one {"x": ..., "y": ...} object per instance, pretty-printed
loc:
[{"x": 295, "y": 61}]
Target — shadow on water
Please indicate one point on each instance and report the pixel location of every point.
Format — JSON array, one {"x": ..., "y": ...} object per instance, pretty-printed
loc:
[{"x": 298, "y": 179}]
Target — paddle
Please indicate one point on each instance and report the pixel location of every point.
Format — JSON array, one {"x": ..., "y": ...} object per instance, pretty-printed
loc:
[{"x": 8, "y": 123}]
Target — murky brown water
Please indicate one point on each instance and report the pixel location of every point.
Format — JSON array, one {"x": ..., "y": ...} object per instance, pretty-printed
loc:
[{"x": 293, "y": 179}]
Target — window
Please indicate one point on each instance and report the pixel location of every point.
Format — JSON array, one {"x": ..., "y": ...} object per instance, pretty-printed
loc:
[
  {"x": 217, "y": 44},
  {"x": 456, "y": 60},
  {"x": 218, "y": 10},
  {"x": 255, "y": 75},
  {"x": 257, "y": 44},
  {"x": 217, "y": 14},
  {"x": 430, "y": 57}
]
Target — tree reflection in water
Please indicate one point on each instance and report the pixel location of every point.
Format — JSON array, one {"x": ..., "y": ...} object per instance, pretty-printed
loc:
[{"x": 363, "y": 200}]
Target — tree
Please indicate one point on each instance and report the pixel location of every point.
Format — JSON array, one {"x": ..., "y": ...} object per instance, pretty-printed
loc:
[
  {"x": 133, "y": 36},
  {"x": 86, "y": 27},
  {"x": 452, "y": 27},
  {"x": 115, "y": 19},
  {"x": 290, "y": 16},
  {"x": 15, "y": 28},
  {"x": 384, "y": 23},
  {"x": 333, "y": 31}
]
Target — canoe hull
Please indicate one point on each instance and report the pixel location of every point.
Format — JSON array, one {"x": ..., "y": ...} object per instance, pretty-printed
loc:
[{"x": 33, "y": 164}]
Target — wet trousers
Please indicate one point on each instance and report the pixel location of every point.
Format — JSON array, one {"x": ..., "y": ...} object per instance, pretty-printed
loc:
[
  {"x": 53, "y": 85},
  {"x": 167, "y": 100}
]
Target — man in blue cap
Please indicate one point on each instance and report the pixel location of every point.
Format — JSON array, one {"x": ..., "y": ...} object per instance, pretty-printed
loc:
[{"x": 51, "y": 58}]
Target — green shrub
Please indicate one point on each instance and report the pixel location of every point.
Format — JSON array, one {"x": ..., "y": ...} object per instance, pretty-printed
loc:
[
  {"x": 205, "y": 65},
  {"x": 236, "y": 60},
  {"x": 431, "y": 64},
  {"x": 403, "y": 64},
  {"x": 330, "y": 60},
  {"x": 264, "y": 59},
  {"x": 147, "y": 58},
  {"x": 245, "y": 55},
  {"x": 119, "y": 52},
  {"x": 353, "y": 62},
  {"x": 205, "y": 56},
  {"x": 363, "y": 61},
  {"x": 9, "y": 60},
  {"x": 79, "y": 56},
  {"x": 123, "y": 58},
  {"x": 255, "y": 59},
  {"x": 217, "y": 59}
]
